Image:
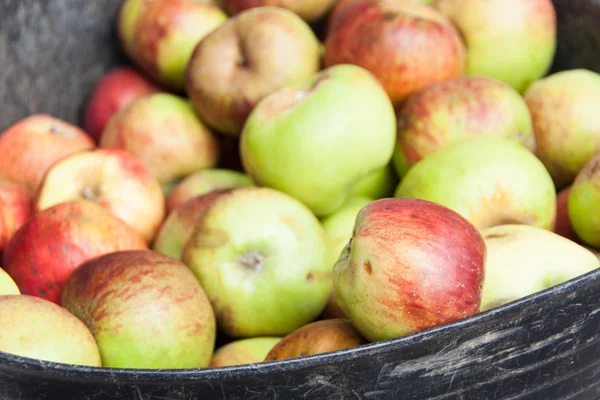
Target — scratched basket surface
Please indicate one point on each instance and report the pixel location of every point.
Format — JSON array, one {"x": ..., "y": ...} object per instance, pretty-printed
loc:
[{"x": 546, "y": 346}]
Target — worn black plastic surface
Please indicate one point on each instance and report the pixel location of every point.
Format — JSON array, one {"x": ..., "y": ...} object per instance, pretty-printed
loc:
[{"x": 546, "y": 346}]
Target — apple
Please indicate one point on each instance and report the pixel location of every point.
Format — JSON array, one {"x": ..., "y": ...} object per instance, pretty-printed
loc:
[
  {"x": 160, "y": 36},
  {"x": 15, "y": 209},
  {"x": 204, "y": 181},
  {"x": 317, "y": 337},
  {"x": 410, "y": 265},
  {"x": 261, "y": 256},
  {"x": 52, "y": 243},
  {"x": 513, "y": 41},
  {"x": 309, "y": 10},
  {"x": 584, "y": 203},
  {"x": 243, "y": 351},
  {"x": 563, "y": 226},
  {"x": 112, "y": 178},
  {"x": 523, "y": 260},
  {"x": 565, "y": 120},
  {"x": 316, "y": 140},
  {"x": 113, "y": 91},
  {"x": 489, "y": 180},
  {"x": 247, "y": 58},
  {"x": 163, "y": 131},
  {"x": 377, "y": 184},
  {"x": 405, "y": 44},
  {"x": 446, "y": 112},
  {"x": 180, "y": 223},
  {"x": 30, "y": 146},
  {"x": 146, "y": 310},
  {"x": 7, "y": 284},
  {"x": 39, "y": 329}
]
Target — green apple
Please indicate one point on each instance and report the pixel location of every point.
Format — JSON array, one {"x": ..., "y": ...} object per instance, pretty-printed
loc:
[
  {"x": 488, "y": 180},
  {"x": 513, "y": 41},
  {"x": 566, "y": 121},
  {"x": 244, "y": 351},
  {"x": 378, "y": 184},
  {"x": 316, "y": 140},
  {"x": 146, "y": 310},
  {"x": 583, "y": 204},
  {"x": 522, "y": 260},
  {"x": 451, "y": 110},
  {"x": 37, "y": 328},
  {"x": 261, "y": 256},
  {"x": 309, "y": 10},
  {"x": 7, "y": 284}
]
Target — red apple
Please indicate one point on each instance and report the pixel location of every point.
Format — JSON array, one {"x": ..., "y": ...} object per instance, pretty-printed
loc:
[
  {"x": 309, "y": 10},
  {"x": 29, "y": 147},
  {"x": 410, "y": 265},
  {"x": 117, "y": 88},
  {"x": 51, "y": 244},
  {"x": 15, "y": 208},
  {"x": 405, "y": 44},
  {"x": 113, "y": 178}
]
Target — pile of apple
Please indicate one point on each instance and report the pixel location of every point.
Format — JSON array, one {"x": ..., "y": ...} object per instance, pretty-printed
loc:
[{"x": 255, "y": 188}]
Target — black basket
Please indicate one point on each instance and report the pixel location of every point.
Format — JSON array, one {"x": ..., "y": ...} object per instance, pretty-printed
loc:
[{"x": 545, "y": 346}]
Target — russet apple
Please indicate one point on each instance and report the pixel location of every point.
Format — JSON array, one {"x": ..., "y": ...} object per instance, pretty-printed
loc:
[
  {"x": 160, "y": 36},
  {"x": 113, "y": 91},
  {"x": 489, "y": 180},
  {"x": 523, "y": 260},
  {"x": 315, "y": 338},
  {"x": 244, "y": 351},
  {"x": 204, "y": 181},
  {"x": 113, "y": 178},
  {"x": 16, "y": 206},
  {"x": 261, "y": 256},
  {"x": 146, "y": 310},
  {"x": 513, "y": 41},
  {"x": 39, "y": 329},
  {"x": 316, "y": 140},
  {"x": 583, "y": 203},
  {"x": 309, "y": 10},
  {"x": 7, "y": 284},
  {"x": 180, "y": 223},
  {"x": 52, "y": 243},
  {"x": 249, "y": 57},
  {"x": 405, "y": 44},
  {"x": 563, "y": 107},
  {"x": 29, "y": 147},
  {"x": 163, "y": 131},
  {"x": 410, "y": 265},
  {"x": 448, "y": 111}
]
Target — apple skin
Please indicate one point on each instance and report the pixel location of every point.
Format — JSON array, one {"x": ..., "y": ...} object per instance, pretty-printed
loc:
[
  {"x": 180, "y": 223},
  {"x": 488, "y": 180},
  {"x": 410, "y": 265},
  {"x": 523, "y": 260},
  {"x": 584, "y": 203},
  {"x": 340, "y": 114},
  {"x": 146, "y": 310},
  {"x": 30, "y": 146},
  {"x": 163, "y": 131},
  {"x": 52, "y": 243},
  {"x": 563, "y": 107},
  {"x": 39, "y": 329},
  {"x": 113, "y": 178},
  {"x": 205, "y": 181},
  {"x": 446, "y": 112},
  {"x": 16, "y": 206},
  {"x": 261, "y": 256},
  {"x": 317, "y": 337},
  {"x": 378, "y": 184},
  {"x": 563, "y": 226},
  {"x": 513, "y": 41},
  {"x": 308, "y": 10},
  {"x": 243, "y": 351},
  {"x": 160, "y": 36},
  {"x": 117, "y": 88},
  {"x": 394, "y": 41},
  {"x": 242, "y": 62},
  {"x": 7, "y": 284}
]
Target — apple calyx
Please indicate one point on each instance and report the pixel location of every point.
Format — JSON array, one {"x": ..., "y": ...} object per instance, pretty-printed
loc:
[
  {"x": 89, "y": 193},
  {"x": 55, "y": 130},
  {"x": 252, "y": 260}
]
